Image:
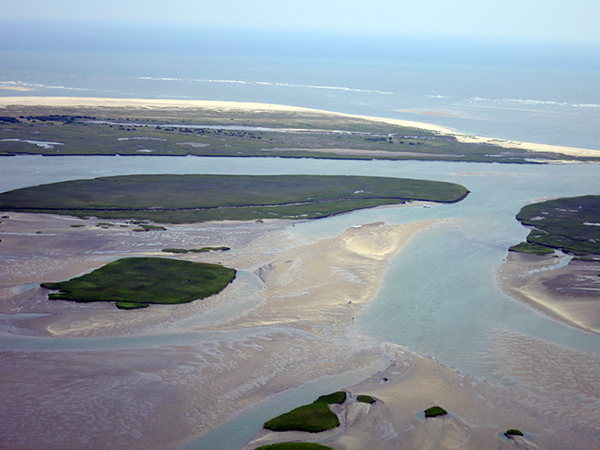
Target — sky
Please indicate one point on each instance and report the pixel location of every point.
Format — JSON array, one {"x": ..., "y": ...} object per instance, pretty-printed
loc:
[{"x": 532, "y": 20}]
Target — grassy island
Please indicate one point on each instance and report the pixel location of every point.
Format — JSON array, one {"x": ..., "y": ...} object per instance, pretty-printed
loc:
[
  {"x": 313, "y": 418},
  {"x": 569, "y": 224},
  {"x": 199, "y": 198},
  {"x": 435, "y": 411},
  {"x": 139, "y": 282}
]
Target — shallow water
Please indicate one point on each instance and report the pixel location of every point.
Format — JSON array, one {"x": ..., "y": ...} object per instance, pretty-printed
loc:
[{"x": 445, "y": 272}]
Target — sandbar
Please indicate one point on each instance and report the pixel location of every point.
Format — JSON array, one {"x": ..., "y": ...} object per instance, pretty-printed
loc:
[
  {"x": 15, "y": 88},
  {"x": 569, "y": 294},
  {"x": 95, "y": 102}
]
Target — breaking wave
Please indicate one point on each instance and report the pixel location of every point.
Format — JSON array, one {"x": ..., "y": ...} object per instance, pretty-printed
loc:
[
  {"x": 530, "y": 102},
  {"x": 267, "y": 83},
  {"x": 40, "y": 86}
]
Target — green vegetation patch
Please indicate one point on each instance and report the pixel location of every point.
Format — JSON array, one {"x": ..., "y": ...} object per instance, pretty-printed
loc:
[
  {"x": 570, "y": 224},
  {"x": 131, "y": 305},
  {"x": 337, "y": 398},
  {"x": 365, "y": 399},
  {"x": 526, "y": 247},
  {"x": 294, "y": 446},
  {"x": 195, "y": 250},
  {"x": 313, "y": 418},
  {"x": 198, "y": 198},
  {"x": 435, "y": 411},
  {"x": 138, "y": 282},
  {"x": 513, "y": 432}
]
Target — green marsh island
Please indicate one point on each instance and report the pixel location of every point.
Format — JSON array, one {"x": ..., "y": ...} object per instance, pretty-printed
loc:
[
  {"x": 138, "y": 282},
  {"x": 313, "y": 418},
  {"x": 200, "y": 198},
  {"x": 568, "y": 224}
]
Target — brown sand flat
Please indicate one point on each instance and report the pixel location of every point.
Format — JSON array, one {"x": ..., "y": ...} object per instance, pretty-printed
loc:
[
  {"x": 283, "y": 322},
  {"x": 135, "y": 392},
  {"x": 570, "y": 294},
  {"x": 478, "y": 412}
]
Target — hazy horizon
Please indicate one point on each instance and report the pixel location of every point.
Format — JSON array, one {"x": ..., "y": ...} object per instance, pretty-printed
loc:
[
  {"x": 187, "y": 39},
  {"x": 572, "y": 21}
]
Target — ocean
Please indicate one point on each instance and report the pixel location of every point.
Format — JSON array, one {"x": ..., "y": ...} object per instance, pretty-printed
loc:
[{"x": 534, "y": 96}]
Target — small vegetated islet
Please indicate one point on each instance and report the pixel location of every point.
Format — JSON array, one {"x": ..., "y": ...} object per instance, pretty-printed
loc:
[
  {"x": 312, "y": 418},
  {"x": 294, "y": 446},
  {"x": 365, "y": 399},
  {"x": 139, "y": 282},
  {"x": 435, "y": 411},
  {"x": 513, "y": 432},
  {"x": 195, "y": 250}
]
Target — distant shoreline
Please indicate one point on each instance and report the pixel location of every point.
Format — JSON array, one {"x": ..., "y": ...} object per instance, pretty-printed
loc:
[{"x": 98, "y": 102}]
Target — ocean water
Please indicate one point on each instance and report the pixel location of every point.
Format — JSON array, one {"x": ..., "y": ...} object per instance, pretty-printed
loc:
[{"x": 552, "y": 100}]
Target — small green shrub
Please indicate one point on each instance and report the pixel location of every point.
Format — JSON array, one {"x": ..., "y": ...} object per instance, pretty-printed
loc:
[
  {"x": 365, "y": 399},
  {"x": 153, "y": 227},
  {"x": 526, "y": 247},
  {"x": 294, "y": 446},
  {"x": 513, "y": 432},
  {"x": 131, "y": 305},
  {"x": 435, "y": 411},
  {"x": 195, "y": 250},
  {"x": 209, "y": 249},
  {"x": 313, "y": 418},
  {"x": 336, "y": 397},
  {"x": 77, "y": 226}
]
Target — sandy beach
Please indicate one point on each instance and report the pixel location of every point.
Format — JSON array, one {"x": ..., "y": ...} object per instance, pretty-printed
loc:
[
  {"x": 95, "y": 102},
  {"x": 568, "y": 293}
]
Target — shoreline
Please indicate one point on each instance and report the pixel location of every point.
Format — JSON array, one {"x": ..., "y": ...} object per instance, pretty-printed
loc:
[
  {"x": 100, "y": 102},
  {"x": 527, "y": 278}
]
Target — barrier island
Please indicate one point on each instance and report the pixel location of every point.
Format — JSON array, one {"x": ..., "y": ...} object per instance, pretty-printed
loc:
[{"x": 59, "y": 126}]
